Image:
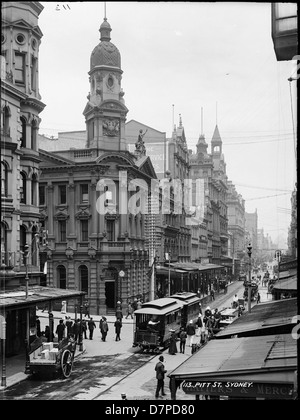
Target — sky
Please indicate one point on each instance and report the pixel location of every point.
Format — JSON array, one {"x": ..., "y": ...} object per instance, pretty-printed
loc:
[{"x": 179, "y": 57}]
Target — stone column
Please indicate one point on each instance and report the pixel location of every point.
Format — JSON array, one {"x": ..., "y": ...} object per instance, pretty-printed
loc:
[
  {"x": 50, "y": 202},
  {"x": 71, "y": 208},
  {"x": 94, "y": 212}
]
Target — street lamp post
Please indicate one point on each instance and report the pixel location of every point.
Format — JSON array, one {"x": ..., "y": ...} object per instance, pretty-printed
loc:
[
  {"x": 249, "y": 247},
  {"x": 121, "y": 276},
  {"x": 2, "y": 340},
  {"x": 27, "y": 363},
  {"x": 168, "y": 257},
  {"x": 80, "y": 328}
]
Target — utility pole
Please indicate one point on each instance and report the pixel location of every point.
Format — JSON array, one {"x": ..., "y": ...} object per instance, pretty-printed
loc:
[{"x": 249, "y": 247}]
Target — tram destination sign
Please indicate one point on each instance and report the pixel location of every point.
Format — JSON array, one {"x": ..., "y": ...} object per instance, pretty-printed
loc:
[{"x": 239, "y": 388}]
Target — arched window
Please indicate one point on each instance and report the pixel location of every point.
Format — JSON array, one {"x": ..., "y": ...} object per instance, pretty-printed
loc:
[
  {"x": 23, "y": 188},
  {"x": 23, "y": 136},
  {"x": 34, "y": 186},
  {"x": 23, "y": 241},
  {"x": 62, "y": 277},
  {"x": 84, "y": 278},
  {"x": 33, "y": 135},
  {"x": 4, "y": 180},
  {"x": 5, "y": 121}
]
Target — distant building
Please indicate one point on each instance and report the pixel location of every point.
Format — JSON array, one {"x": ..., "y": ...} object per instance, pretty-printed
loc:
[
  {"x": 293, "y": 235},
  {"x": 236, "y": 226},
  {"x": 251, "y": 226}
]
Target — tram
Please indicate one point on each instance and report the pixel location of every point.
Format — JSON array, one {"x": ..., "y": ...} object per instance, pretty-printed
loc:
[
  {"x": 154, "y": 321},
  {"x": 191, "y": 307}
]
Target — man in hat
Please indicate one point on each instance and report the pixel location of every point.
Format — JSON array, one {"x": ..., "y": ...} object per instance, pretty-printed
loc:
[
  {"x": 190, "y": 330},
  {"x": 160, "y": 376}
]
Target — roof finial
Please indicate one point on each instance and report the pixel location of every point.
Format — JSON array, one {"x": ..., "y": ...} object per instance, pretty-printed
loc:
[
  {"x": 216, "y": 113},
  {"x": 180, "y": 121},
  {"x": 201, "y": 121},
  {"x": 105, "y": 11}
]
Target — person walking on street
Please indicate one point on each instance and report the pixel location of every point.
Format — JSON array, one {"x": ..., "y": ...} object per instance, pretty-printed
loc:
[
  {"x": 160, "y": 376},
  {"x": 212, "y": 294},
  {"x": 84, "y": 328},
  {"x": 38, "y": 326},
  {"x": 76, "y": 329},
  {"x": 60, "y": 330},
  {"x": 119, "y": 313},
  {"x": 92, "y": 326},
  {"x": 129, "y": 311},
  {"x": 69, "y": 324},
  {"x": 190, "y": 330},
  {"x": 118, "y": 326},
  {"x": 258, "y": 298},
  {"x": 103, "y": 328},
  {"x": 182, "y": 337},
  {"x": 134, "y": 304},
  {"x": 86, "y": 309},
  {"x": 173, "y": 344}
]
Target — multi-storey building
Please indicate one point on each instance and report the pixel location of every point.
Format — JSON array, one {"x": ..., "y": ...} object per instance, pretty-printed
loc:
[
  {"x": 20, "y": 108},
  {"x": 292, "y": 236},
  {"x": 236, "y": 226},
  {"x": 220, "y": 230},
  {"x": 95, "y": 242},
  {"x": 212, "y": 169}
]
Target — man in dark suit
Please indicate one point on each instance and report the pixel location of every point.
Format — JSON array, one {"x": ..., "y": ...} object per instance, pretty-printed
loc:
[
  {"x": 160, "y": 376},
  {"x": 92, "y": 326}
]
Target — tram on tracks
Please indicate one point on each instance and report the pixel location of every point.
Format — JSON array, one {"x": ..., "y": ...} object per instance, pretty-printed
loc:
[{"x": 156, "y": 319}]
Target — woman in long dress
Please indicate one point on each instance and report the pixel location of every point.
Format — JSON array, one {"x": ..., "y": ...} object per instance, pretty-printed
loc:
[{"x": 173, "y": 345}]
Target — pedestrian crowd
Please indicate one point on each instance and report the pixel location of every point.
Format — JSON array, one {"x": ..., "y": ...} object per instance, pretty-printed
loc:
[{"x": 86, "y": 326}]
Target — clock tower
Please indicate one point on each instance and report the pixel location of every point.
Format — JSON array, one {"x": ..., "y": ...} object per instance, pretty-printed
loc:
[{"x": 105, "y": 112}]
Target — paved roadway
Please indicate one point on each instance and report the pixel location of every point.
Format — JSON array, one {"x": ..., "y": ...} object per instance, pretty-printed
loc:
[{"x": 107, "y": 369}]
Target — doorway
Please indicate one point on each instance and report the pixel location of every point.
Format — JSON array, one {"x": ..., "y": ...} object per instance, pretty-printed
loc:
[{"x": 110, "y": 294}]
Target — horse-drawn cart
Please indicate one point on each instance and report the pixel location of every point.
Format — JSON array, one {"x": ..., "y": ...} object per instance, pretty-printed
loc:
[{"x": 52, "y": 359}]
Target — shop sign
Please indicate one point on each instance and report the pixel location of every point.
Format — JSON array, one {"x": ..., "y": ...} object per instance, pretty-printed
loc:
[{"x": 246, "y": 389}]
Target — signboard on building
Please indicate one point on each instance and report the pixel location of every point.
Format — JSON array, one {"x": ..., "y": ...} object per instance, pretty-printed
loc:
[
  {"x": 245, "y": 389},
  {"x": 156, "y": 152}
]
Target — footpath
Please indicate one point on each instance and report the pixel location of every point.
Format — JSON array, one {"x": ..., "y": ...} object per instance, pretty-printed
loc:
[{"x": 15, "y": 366}]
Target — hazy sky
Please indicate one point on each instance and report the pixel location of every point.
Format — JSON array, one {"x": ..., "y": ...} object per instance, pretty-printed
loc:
[{"x": 218, "y": 56}]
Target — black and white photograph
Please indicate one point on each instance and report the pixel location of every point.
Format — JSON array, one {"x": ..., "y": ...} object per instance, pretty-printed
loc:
[{"x": 149, "y": 203}]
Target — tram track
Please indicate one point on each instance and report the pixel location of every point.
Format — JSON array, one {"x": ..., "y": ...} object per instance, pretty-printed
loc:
[{"x": 91, "y": 378}]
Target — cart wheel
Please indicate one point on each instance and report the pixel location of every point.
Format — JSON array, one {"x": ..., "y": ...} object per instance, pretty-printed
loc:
[{"x": 66, "y": 363}]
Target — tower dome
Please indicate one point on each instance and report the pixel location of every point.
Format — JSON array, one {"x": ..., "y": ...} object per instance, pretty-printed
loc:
[{"x": 105, "y": 53}]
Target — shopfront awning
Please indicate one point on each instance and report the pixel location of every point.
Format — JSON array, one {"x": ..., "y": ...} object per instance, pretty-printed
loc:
[
  {"x": 263, "y": 366},
  {"x": 16, "y": 299},
  {"x": 286, "y": 285},
  {"x": 196, "y": 266},
  {"x": 160, "y": 269},
  {"x": 275, "y": 316}
]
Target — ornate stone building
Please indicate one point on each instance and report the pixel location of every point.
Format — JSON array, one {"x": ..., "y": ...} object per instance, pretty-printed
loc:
[
  {"x": 212, "y": 169},
  {"x": 236, "y": 226},
  {"x": 20, "y": 108},
  {"x": 95, "y": 244}
]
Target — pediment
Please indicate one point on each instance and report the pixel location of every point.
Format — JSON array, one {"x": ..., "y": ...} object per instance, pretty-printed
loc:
[
  {"x": 52, "y": 159},
  {"x": 113, "y": 105},
  {"x": 22, "y": 24},
  {"x": 145, "y": 166},
  {"x": 61, "y": 215},
  {"x": 123, "y": 158},
  {"x": 83, "y": 214}
]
